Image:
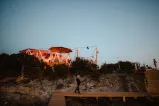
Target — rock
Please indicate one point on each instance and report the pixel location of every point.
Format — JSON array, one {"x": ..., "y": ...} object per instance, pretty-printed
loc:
[
  {"x": 5, "y": 103},
  {"x": 59, "y": 81},
  {"x": 111, "y": 85}
]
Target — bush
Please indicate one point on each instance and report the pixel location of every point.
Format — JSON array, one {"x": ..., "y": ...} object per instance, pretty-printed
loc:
[
  {"x": 108, "y": 68},
  {"x": 29, "y": 60},
  {"x": 84, "y": 67},
  {"x": 9, "y": 65},
  {"x": 33, "y": 67},
  {"x": 126, "y": 67},
  {"x": 61, "y": 70},
  {"x": 59, "y": 86}
]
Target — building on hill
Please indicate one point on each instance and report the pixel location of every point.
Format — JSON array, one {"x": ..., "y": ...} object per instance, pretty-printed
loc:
[{"x": 52, "y": 56}]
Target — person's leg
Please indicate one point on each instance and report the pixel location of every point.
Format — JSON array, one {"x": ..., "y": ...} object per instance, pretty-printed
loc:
[
  {"x": 75, "y": 89},
  {"x": 78, "y": 89},
  {"x": 155, "y": 66}
]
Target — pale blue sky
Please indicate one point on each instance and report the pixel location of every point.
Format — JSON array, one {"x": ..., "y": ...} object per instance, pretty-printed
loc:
[{"x": 128, "y": 29}]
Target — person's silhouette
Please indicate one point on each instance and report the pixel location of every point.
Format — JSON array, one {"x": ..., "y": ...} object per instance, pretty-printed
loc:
[
  {"x": 78, "y": 84},
  {"x": 155, "y": 63}
]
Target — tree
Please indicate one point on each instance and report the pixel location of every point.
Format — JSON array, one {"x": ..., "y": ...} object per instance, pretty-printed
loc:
[
  {"x": 126, "y": 67},
  {"x": 61, "y": 70},
  {"x": 108, "y": 68},
  {"x": 83, "y": 67}
]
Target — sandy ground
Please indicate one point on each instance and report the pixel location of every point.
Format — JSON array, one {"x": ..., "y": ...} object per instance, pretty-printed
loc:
[{"x": 34, "y": 92}]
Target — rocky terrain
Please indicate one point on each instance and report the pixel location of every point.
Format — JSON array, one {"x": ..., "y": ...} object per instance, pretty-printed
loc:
[{"x": 40, "y": 90}]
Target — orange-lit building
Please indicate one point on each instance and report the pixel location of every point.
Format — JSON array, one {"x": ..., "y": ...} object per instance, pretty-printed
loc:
[{"x": 54, "y": 55}]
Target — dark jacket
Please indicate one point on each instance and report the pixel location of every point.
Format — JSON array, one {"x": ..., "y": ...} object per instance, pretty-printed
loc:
[{"x": 78, "y": 81}]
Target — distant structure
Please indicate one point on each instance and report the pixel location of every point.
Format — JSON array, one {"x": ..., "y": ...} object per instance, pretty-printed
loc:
[
  {"x": 59, "y": 55},
  {"x": 95, "y": 52},
  {"x": 52, "y": 56}
]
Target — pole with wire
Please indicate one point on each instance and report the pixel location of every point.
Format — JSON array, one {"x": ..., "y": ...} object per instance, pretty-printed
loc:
[
  {"x": 96, "y": 60},
  {"x": 87, "y": 47}
]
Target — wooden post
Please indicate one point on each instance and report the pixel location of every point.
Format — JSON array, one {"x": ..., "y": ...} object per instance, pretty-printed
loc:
[
  {"x": 97, "y": 99},
  {"x": 110, "y": 98},
  {"x": 124, "y": 99}
]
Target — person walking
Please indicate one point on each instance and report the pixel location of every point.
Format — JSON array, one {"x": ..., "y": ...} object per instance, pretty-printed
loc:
[
  {"x": 78, "y": 84},
  {"x": 155, "y": 63}
]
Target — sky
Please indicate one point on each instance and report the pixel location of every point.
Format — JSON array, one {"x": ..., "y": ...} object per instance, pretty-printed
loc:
[{"x": 127, "y": 29}]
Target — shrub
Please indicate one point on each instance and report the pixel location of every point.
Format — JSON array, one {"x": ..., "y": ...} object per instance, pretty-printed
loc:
[
  {"x": 59, "y": 86},
  {"x": 126, "y": 66},
  {"x": 108, "y": 68},
  {"x": 9, "y": 65},
  {"x": 61, "y": 70},
  {"x": 84, "y": 67}
]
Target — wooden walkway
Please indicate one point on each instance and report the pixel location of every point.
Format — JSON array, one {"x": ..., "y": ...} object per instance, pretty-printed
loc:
[{"x": 58, "y": 99}]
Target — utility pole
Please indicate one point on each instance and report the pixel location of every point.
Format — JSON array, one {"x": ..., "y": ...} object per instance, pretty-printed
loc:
[
  {"x": 96, "y": 60},
  {"x": 77, "y": 52},
  {"x": 87, "y": 47}
]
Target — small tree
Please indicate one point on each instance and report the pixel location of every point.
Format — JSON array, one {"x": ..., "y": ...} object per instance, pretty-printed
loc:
[
  {"x": 83, "y": 67},
  {"x": 61, "y": 70},
  {"x": 108, "y": 68},
  {"x": 126, "y": 67}
]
